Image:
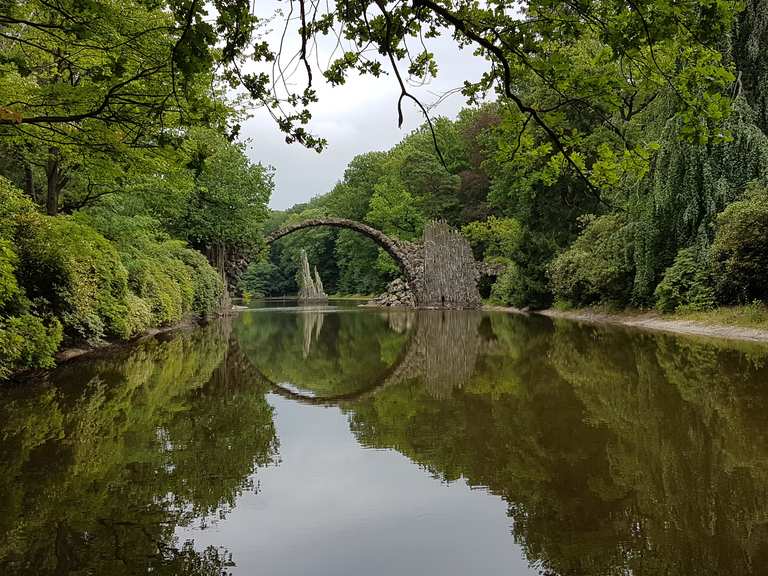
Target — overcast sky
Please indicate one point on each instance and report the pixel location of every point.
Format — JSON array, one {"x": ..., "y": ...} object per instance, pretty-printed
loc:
[{"x": 357, "y": 117}]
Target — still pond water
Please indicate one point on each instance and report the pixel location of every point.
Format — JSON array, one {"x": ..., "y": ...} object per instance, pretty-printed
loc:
[{"x": 341, "y": 441}]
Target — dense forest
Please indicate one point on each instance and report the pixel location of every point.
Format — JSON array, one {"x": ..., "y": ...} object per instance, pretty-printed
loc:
[
  {"x": 650, "y": 216},
  {"x": 612, "y": 154}
]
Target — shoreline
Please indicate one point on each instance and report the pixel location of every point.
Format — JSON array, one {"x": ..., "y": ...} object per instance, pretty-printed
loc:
[
  {"x": 643, "y": 320},
  {"x": 651, "y": 321},
  {"x": 71, "y": 353}
]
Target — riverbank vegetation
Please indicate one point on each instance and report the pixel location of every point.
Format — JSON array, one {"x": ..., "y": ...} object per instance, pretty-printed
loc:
[{"x": 124, "y": 195}]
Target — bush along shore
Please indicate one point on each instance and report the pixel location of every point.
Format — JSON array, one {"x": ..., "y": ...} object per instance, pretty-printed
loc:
[{"x": 82, "y": 281}]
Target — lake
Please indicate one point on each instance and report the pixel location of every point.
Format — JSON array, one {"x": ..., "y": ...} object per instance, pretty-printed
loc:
[{"x": 347, "y": 441}]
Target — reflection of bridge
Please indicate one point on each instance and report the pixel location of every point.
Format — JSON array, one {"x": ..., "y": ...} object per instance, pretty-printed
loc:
[
  {"x": 441, "y": 351},
  {"x": 440, "y": 271}
]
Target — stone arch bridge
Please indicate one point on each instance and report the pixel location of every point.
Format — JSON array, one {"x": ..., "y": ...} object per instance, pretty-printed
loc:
[{"x": 440, "y": 271}]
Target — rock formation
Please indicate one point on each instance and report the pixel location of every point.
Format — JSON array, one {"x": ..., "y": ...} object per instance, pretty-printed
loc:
[
  {"x": 310, "y": 290},
  {"x": 397, "y": 294}
]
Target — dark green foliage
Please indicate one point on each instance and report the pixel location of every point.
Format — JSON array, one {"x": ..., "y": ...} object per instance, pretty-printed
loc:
[
  {"x": 596, "y": 268},
  {"x": 524, "y": 283},
  {"x": 740, "y": 250},
  {"x": 748, "y": 44},
  {"x": 691, "y": 183},
  {"x": 255, "y": 281},
  {"x": 687, "y": 283},
  {"x": 360, "y": 271}
]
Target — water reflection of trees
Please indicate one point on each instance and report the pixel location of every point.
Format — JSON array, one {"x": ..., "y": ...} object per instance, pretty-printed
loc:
[
  {"x": 99, "y": 470},
  {"x": 617, "y": 452}
]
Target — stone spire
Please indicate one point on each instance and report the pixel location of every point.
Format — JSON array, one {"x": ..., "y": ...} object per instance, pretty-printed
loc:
[{"x": 310, "y": 290}]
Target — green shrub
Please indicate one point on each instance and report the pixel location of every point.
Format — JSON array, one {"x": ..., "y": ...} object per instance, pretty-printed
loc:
[
  {"x": 524, "y": 282},
  {"x": 72, "y": 272},
  {"x": 172, "y": 279},
  {"x": 154, "y": 278},
  {"x": 687, "y": 283},
  {"x": 208, "y": 287},
  {"x": 26, "y": 341},
  {"x": 516, "y": 288},
  {"x": 139, "y": 317},
  {"x": 10, "y": 292},
  {"x": 13, "y": 203},
  {"x": 596, "y": 268},
  {"x": 739, "y": 252},
  {"x": 60, "y": 275}
]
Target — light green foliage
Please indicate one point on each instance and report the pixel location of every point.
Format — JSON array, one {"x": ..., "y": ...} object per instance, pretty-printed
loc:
[
  {"x": 687, "y": 283},
  {"x": 94, "y": 276},
  {"x": 495, "y": 239},
  {"x": 10, "y": 292},
  {"x": 74, "y": 273},
  {"x": 635, "y": 50},
  {"x": 393, "y": 209},
  {"x": 596, "y": 268},
  {"x": 227, "y": 205},
  {"x": 350, "y": 197},
  {"x": 172, "y": 280},
  {"x": 121, "y": 80},
  {"x": 26, "y": 340},
  {"x": 740, "y": 250},
  {"x": 208, "y": 287}
]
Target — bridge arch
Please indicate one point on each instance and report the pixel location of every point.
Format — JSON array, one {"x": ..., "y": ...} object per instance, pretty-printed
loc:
[{"x": 402, "y": 252}]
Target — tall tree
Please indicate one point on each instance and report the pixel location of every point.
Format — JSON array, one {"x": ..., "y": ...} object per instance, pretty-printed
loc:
[{"x": 84, "y": 82}]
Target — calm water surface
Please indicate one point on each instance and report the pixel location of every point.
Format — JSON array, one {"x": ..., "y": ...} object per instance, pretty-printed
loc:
[{"x": 342, "y": 441}]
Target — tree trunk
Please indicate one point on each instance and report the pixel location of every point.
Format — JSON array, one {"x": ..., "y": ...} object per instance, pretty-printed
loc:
[
  {"x": 53, "y": 175},
  {"x": 29, "y": 182}
]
